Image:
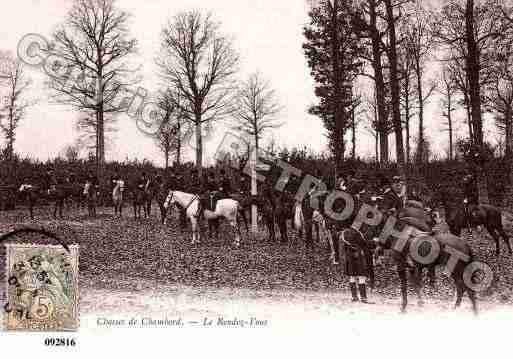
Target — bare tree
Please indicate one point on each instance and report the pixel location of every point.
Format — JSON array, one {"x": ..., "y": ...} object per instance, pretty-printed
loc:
[
  {"x": 92, "y": 48},
  {"x": 448, "y": 91},
  {"x": 257, "y": 107},
  {"x": 71, "y": 152},
  {"x": 407, "y": 92},
  {"x": 470, "y": 32},
  {"x": 419, "y": 43},
  {"x": 175, "y": 130},
  {"x": 14, "y": 102},
  {"x": 368, "y": 24},
  {"x": 199, "y": 62},
  {"x": 392, "y": 17}
]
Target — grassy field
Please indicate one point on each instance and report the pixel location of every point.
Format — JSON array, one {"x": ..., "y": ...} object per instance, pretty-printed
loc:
[{"x": 131, "y": 255}]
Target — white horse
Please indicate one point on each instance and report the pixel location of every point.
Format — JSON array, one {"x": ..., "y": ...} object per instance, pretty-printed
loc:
[
  {"x": 225, "y": 208},
  {"x": 117, "y": 196}
]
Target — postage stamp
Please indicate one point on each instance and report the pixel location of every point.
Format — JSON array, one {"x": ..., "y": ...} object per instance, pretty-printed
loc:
[{"x": 42, "y": 287}]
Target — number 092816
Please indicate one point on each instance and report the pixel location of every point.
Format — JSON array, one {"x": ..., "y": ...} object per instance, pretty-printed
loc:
[{"x": 60, "y": 342}]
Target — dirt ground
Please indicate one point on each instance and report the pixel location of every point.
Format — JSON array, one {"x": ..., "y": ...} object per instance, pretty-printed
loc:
[{"x": 130, "y": 266}]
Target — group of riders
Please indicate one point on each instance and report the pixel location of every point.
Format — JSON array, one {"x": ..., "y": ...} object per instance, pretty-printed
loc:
[{"x": 209, "y": 188}]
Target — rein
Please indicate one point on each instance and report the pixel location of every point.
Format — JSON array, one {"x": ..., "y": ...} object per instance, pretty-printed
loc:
[{"x": 194, "y": 197}]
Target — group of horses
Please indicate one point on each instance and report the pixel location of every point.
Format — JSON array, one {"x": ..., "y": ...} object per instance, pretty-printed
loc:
[{"x": 277, "y": 208}]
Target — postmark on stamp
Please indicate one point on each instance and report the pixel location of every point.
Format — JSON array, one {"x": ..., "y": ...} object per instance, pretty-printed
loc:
[{"x": 42, "y": 287}]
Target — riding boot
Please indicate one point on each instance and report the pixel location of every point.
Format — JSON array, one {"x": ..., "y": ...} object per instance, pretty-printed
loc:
[
  {"x": 363, "y": 294},
  {"x": 354, "y": 294}
]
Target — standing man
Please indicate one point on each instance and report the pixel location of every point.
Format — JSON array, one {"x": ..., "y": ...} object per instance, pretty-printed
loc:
[
  {"x": 356, "y": 265},
  {"x": 471, "y": 197}
]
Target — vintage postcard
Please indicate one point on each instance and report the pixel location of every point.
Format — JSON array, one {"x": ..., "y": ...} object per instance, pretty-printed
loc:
[
  {"x": 249, "y": 170},
  {"x": 42, "y": 288}
]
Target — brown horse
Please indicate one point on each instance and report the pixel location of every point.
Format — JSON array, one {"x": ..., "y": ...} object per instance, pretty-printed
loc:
[
  {"x": 138, "y": 197},
  {"x": 91, "y": 197},
  {"x": 60, "y": 193},
  {"x": 401, "y": 255},
  {"x": 483, "y": 214}
]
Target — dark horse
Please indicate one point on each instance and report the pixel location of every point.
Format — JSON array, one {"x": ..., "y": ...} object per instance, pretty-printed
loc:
[
  {"x": 483, "y": 214},
  {"x": 60, "y": 193},
  {"x": 138, "y": 198},
  {"x": 401, "y": 255}
]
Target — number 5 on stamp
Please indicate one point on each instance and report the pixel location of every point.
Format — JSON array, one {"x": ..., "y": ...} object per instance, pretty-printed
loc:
[{"x": 42, "y": 287}]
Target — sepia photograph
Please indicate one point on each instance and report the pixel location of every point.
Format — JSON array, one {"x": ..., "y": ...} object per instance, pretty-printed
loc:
[{"x": 249, "y": 178}]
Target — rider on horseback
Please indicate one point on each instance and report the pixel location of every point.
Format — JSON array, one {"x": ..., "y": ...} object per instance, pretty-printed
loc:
[
  {"x": 225, "y": 187},
  {"x": 392, "y": 201},
  {"x": 143, "y": 182}
]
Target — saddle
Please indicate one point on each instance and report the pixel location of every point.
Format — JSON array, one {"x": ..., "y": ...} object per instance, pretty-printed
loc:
[{"x": 209, "y": 200}]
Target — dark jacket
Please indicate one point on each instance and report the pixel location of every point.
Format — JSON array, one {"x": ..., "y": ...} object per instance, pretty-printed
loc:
[
  {"x": 470, "y": 191},
  {"x": 391, "y": 200},
  {"x": 225, "y": 186}
]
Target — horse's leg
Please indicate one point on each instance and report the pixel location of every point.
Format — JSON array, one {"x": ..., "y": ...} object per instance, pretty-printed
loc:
[
  {"x": 282, "y": 226},
  {"x": 432, "y": 276},
  {"x": 370, "y": 268},
  {"x": 269, "y": 221},
  {"x": 243, "y": 213},
  {"x": 472, "y": 296},
  {"x": 216, "y": 228},
  {"x": 335, "y": 247},
  {"x": 460, "y": 288},
  {"x": 401, "y": 271},
  {"x": 162, "y": 212},
  {"x": 505, "y": 237},
  {"x": 195, "y": 230},
  {"x": 417, "y": 279},
  {"x": 238, "y": 235},
  {"x": 492, "y": 232}
]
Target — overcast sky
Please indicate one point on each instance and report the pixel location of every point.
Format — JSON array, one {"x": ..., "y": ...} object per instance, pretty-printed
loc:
[{"x": 267, "y": 34}]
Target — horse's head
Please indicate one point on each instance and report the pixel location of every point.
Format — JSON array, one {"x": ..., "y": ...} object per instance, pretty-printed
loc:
[{"x": 170, "y": 199}]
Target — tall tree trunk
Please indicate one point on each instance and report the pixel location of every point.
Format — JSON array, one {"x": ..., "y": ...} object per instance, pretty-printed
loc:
[
  {"x": 449, "y": 120},
  {"x": 407, "y": 125},
  {"x": 338, "y": 114},
  {"x": 377, "y": 66},
  {"x": 508, "y": 198},
  {"x": 101, "y": 145},
  {"x": 472, "y": 62},
  {"x": 166, "y": 157},
  {"x": 353, "y": 134},
  {"x": 469, "y": 119},
  {"x": 420, "y": 148},
  {"x": 394, "y": 88},
  {"x": 376, "y": 147},
  {"x": 508, "y": 151},
  {"x": 199, "y": 147}
]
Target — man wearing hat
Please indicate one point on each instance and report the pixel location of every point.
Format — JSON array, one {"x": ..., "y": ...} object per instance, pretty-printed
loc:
[
  {"x": 471, "y": 196},
  {"x": 392, "y": 200}
]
